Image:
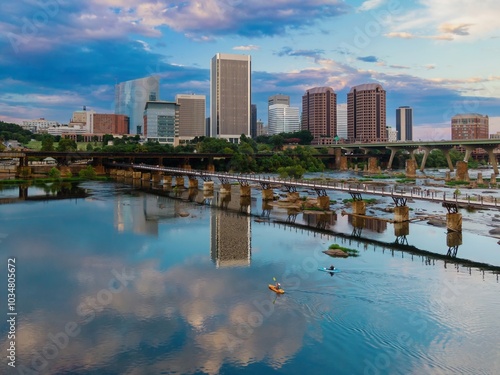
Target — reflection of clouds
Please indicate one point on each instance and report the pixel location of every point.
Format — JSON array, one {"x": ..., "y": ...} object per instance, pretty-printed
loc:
[{"x": 224, "y": 324}]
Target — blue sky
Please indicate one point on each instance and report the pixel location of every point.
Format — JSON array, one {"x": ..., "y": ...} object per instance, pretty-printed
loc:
[{"x": 438, "y": 56}]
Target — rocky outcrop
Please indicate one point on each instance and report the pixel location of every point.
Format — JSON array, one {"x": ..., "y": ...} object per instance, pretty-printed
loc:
[{"x": 337, "y": 253}]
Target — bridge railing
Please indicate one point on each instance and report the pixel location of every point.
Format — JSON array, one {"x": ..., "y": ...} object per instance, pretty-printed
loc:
[{"x": 426, "y": 194}]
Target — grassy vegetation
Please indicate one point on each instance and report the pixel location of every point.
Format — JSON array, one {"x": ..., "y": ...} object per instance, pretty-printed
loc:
[
  {"x": 350, "y": 252},
  {"x": 380, "y": 176},
  {"x": 406, "y": 180},
  {"x": 81, "y": 146},
  {"x": 457, "y": 183}
]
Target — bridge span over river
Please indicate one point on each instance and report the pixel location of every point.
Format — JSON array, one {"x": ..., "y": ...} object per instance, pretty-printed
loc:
[{"x": 356, "y": 190}]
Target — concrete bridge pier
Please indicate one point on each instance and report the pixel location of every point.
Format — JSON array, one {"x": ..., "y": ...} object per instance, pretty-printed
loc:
[
  {"x": 128, "y": 174},
  {"x": 480, "y": 178},
  {"x": 293, "y": 196},
  {"x": 391, "y": 158},
  {"x": 401, "y": 214},
  {"x": 493, "y": 159},
  {"x": 112, "y": 172},
  {"x": 359, "y": 207},
  {"x": 493, "y": 179},
  {"x": 454, "y": 222},
  {"x": 179, "y": 181},
  {"x": 225, "y": 188},
  {"x": 446, "y": 152},
  {"x": 208, "y": 186},
  {"x": 120, "y": 173},
  {"x": 137, "y": 175},
  {"x": 167, "y": 180},
  {"x": 323, "y": 203},
  {"x": 193, "y": 183},
  {"x": 462, "y": 171},
  {"x": 338, "y": 156},
  {"x": 411, "y": 168},
  {"x": 267, "y": 194},
  {"x": 343, "y": 163},
  {"x": 245, "y": 191},
  {"x": 156, "y": 177},
  {"x": 373, "y": 165},
  {"x": 146, "y": 177}
]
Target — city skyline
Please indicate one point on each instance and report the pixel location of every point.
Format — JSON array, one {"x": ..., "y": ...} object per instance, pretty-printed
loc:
[{"x": 58, "y": 57}]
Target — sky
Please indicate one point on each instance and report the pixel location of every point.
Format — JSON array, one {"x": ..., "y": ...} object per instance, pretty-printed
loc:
[{"x": 438, "y": 56}]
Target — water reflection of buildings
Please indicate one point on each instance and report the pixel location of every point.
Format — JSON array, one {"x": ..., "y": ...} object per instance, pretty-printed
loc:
[
  {"x": 141, "y": 215},
  {"x": 230, "y": 242}
]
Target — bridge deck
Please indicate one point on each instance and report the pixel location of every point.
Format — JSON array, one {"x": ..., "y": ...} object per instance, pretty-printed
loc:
[{"x": 358, "y": 188}]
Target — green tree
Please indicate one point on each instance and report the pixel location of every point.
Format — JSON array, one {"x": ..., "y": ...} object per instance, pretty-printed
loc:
[
  {"x": 106, "y": 138},
  {"x": 88, "y": 173},
  {"x": 295, "y": 171},
  {"x": 89, "y": 147},
  {"x": 54, "y": 173},
  {"x": 48, "y": 143},
  {"x": 66, "y": 145}
]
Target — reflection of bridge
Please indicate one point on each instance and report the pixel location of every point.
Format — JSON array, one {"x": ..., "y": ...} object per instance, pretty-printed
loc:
[
  {"x": 355, "y": 190},
  {"x": 59, "y": 192},
  {"x": 319, "y": 226}
]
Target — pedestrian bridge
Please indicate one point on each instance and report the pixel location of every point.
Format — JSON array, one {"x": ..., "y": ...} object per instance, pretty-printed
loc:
[{"x": 356, "y": 190}]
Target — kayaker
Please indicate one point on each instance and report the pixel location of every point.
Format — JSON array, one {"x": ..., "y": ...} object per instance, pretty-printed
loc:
[
  {"x": 332, "y": 267},
  {"x": 278, "y": 285}
]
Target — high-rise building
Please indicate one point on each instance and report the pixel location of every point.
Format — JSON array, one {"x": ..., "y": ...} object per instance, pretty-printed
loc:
[
  {"x": 283, "y": 119},
  {"x": 342, "y": 120},
  {"x": 278, "y": 99},
  {"x": 261, "y": 129},
  {"x": 253, "y": 120},
  {"x": 161, "y": 122},
  {"x": 366, "y": 114},
  {"x": 111, "y": 124},
  {"x": 404, "y": 123},
  {"x": 319, "y": 114},
  {"x": 192, "y": 120},
  {"x": 131, "y": 97},
  {"x": 230, "y": 96},
  {"x": 470, "y": 126}
]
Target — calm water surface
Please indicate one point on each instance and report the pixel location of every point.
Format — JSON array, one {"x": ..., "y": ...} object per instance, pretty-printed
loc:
[{"x": 126, "y": 282}]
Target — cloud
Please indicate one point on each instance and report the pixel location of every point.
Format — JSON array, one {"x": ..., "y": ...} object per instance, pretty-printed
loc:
[
  {"x": 249, "y": 47},
  {"x": 315, "y": 54},
  {"x": 217, "y": 17},
  {"x": 399, "y": 67},
  {"x": 370, "y": 4},
  {"x": 370, "y": 59},
  {"x": 462, "y": 29},
  {"x": 446, "y": 20},
  {"x": 407, "y": 35}
]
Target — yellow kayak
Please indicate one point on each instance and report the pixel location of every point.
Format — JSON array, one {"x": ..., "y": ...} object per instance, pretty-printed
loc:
[{"x": 274, "y": 289}]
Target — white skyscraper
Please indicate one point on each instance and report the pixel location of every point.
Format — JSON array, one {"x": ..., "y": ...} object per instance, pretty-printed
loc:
[
  {"x": 283, "y": 119},
  {"x": 342, "y": 120},
  {"x": 230, "y": 96}
]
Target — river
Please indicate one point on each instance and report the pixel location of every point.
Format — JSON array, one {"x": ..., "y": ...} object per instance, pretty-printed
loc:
[{"x": 124, "y": 281}]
